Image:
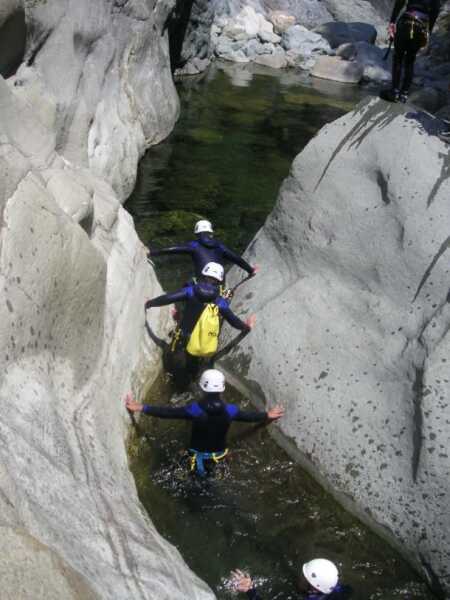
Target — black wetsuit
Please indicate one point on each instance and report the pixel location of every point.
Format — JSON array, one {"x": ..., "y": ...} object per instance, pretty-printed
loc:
[
  {"x": 194, "y": 298},
  {"x": 204, "y": 250},
  {"x": 211, "y": 418},
  {"x": 342, "y": 592},
  {"x": 413, "y": 28}
]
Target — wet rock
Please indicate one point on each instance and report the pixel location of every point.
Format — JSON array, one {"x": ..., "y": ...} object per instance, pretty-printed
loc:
[
  {"x": 371, "y": 58},
  {"x": 338, "y": 33},
  {"x": 96, "y": 90},
  {"x": 336, "y": 69},
  {"x": 429, "y": 99},
  {"x": 354, "y": 282},
  {"x": 347, "y": 51},
  {"x": 275, "y": 60}
]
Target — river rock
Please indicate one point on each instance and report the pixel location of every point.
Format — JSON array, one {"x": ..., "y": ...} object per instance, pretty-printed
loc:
[
  {"x": 275, "y": 60},
  {"x": 95, "y": 91},
  {"x": 189, "y": 30},
  {"x": 281, "y": 21},
  {"x": 304, "y": 42},
  {"x": 337, "y": 69},
  {"x": 337, "y": 33},
  {"x": 371, "y": 58},
  {"x": 353, "y": 312},
  {"x": 347, "y": 51}
]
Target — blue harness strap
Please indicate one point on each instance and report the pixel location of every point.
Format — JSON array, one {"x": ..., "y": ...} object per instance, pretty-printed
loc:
[{"x": 198, "y": 458}]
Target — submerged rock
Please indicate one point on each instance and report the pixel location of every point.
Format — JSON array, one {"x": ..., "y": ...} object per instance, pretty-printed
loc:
[{"x": 354, "y": 318}]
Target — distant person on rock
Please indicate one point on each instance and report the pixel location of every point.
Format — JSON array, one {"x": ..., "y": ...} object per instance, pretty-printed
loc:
[
  {"x": 211, "y": 418},
  {"x": 205, "y": 249},
  {"x": 410, "y": 33},
  {"x": 319, "y": 581},
  {"x": 196, "y": 336}
]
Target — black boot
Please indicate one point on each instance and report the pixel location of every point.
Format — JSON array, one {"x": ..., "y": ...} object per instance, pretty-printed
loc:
[{"x": 390, "y": 95}]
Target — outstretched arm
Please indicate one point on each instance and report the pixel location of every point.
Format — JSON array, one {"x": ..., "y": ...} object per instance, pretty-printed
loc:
[
  {"x": 162, "y": 412},
  {"x": 258, "y": 416},
  {"x": 165, "y": 299},
  {"x": 232, "y": 319},
  {"x": 177, "y": 249},
  {"x": 237, "y": 260}
]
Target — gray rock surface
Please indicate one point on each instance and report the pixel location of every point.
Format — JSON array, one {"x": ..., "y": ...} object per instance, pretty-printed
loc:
[
  {"x": 337, "y": 33},
  {"x": 74, "y": 276},
  {"x": 337, "y": 69},
  {"x": 353, "y": 312},
  {"x": 303, "y": 41},
  {"x": 87, "y": 53}
]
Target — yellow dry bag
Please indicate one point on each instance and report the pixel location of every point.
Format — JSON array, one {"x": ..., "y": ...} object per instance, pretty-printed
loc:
[{"x": 205, "y": 336}]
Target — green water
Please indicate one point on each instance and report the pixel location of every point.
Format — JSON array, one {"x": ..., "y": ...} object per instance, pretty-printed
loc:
[
  {"x": 264, "y": 514},
  {"x": 225, "y": 161},
  {"x": 227, "y": 157}
]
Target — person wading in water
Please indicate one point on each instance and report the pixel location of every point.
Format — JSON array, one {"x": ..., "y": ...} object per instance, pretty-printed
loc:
[{"x": 211, "y": 418}]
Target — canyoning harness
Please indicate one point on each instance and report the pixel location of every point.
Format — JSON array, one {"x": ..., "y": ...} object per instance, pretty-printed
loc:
[
  {"x": 197, "y": 460},
  {"x": 418, "y": 25}
]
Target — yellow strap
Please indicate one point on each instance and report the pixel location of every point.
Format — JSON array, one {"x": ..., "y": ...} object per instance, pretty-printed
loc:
[
  {"x": 176, "y": 337},
  {"x": 217, "y": 457},
  {"x": 193, "y": 461}
]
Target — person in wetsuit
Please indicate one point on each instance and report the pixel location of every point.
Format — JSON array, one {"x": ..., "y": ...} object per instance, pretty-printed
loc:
[
  {"x": 184, "y": 366},
  {"x": 205, "y": 249},
  {"x": 319, "y": 581},
  {"x": 410, "y": 33},
  {"x": 211, "y": 418}
]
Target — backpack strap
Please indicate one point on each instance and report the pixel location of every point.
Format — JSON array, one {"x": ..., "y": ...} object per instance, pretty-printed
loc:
[{"x": 232, "y": 410}]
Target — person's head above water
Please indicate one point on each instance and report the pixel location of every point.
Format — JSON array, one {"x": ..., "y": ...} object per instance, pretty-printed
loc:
[
  {"x": 202, "y": 227},
  {"x": 212, "y": 381},
  {"x": 321, "y": 574},
  {"x": 214, "y": 271}
]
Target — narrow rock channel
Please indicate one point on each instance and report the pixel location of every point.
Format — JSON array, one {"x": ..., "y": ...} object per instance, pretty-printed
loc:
[{"x": 265, "y": 514}]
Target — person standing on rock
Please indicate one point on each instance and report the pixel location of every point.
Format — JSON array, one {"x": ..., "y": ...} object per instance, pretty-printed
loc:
[
  {"x": 196, "y": 336},
  {"x": 211, "y": 418},
  {"x": 319, "y": 581},
  {"x": 410, "y": 33},
  {"x": 205, "y": 249}
]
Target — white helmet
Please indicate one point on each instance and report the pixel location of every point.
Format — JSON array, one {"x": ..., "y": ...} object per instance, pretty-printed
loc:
[
  {"x": 213, "y": 269},
  {"x": 212, "y": 380},
  {"x": 322, "y": 574},
  {"x": 203, "y": 226}
]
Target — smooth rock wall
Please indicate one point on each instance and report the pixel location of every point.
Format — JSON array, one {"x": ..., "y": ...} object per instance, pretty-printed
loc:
[
  {"x": 353, "y": 316},
  {"x": 74, "y": 278}
]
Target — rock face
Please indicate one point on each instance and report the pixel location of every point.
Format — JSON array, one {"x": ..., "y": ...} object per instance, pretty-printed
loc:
[
  {"x": 96, "y": 90},
  {"x": 353, "y": 313}
]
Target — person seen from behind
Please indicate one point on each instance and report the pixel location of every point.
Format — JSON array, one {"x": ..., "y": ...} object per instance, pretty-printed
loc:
[
  {"x": 410, "y": 32},
  {"x": 211, "y": 418},
  {"x": 204, "y": 249}
]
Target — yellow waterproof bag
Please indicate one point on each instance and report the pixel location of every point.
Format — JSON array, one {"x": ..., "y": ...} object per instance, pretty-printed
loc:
[{"x": 205, "y": 335}]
